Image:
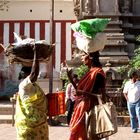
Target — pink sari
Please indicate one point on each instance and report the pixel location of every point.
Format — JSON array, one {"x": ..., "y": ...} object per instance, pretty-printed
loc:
[{"x": 83, "y": 104}]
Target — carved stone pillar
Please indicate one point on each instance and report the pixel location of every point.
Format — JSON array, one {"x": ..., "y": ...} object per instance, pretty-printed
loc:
[
  {"x": 97, "y": 7},
  {"x": 126, "y": 5},
  {"x": 76, "y": 4},
  {"x": 116, "y": 7},
  {"x": 88, "y": 7},
  {"x": 4, "y": 5}
]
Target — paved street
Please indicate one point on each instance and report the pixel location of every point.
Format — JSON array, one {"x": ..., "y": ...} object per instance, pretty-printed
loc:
[{"x": 7, "y": 132}]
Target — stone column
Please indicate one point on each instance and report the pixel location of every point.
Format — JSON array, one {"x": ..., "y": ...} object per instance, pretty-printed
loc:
[
  {"x": 77, "y": 9},
  {"x": 88, "y": 8},
  {"x": 97, "y": 7},
  {"x": 116, "y": 7},
  {"x": 126, "y": 7}
]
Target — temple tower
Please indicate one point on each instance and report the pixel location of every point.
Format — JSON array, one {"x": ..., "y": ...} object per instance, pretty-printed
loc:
[
  {"x": 114, "y": 54},
  {"x": 131, "y": 23}
]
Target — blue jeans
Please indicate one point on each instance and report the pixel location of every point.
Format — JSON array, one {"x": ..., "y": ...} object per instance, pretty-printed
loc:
[
  {"x": 134, "y": 112},
  {"x": 70, "y": 108}
]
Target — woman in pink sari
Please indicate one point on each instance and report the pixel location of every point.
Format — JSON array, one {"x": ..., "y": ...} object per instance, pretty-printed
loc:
[
  {"x": 92, "y": 82},
  {"x": 90, "y": 41}
]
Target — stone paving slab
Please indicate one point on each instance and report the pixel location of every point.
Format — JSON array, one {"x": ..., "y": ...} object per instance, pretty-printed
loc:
[{"x": 7, "y": 132}]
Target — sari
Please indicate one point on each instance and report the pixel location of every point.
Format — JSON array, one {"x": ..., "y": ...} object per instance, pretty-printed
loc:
[
  {"x": 30, "y": 118},
  {"x": 83, "y": 104}
]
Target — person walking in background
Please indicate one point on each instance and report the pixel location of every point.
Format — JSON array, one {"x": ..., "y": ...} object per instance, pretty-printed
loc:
[
  {"x": 31, "y": 105},
  {"x": 131, "y": 93},
  {"x": 70, "y": 97}
]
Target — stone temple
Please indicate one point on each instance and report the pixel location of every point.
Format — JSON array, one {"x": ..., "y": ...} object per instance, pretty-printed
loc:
[{"x": 121, "y": 32}]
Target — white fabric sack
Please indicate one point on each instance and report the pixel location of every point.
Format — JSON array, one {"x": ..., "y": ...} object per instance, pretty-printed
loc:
[
  {"x": 20, "y": 42},
  {"x": 101, "y": 121},
  {"x": 91, "y": 45}
]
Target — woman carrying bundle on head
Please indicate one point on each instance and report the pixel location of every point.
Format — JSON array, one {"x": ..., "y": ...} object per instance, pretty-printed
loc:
[
  {"x": 31, "y": 106},
  {"x": 90, "y": 42}
]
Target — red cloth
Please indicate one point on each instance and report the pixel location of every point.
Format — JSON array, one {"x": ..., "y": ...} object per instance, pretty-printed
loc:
[{"x": 82, "y": 104}]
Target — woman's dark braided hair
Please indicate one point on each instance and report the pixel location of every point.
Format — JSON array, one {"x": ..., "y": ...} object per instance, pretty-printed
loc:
[{"x": 95, "y": 59}]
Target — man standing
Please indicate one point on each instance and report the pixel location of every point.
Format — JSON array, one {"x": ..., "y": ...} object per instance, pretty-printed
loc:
[{"x": 132, "y": 94}]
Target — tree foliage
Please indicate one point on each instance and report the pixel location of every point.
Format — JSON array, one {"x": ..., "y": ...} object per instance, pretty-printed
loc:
[
  {"x": 81, "y": 71},
  {"x": 134, "y": 63}
]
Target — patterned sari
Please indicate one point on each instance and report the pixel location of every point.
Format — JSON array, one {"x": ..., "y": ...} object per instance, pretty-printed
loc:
[
  {"x": 31, "y": 119},
  {"x": 83, "y": 103}
]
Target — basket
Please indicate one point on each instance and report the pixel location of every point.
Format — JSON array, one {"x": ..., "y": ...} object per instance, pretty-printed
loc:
[
  {"x": 24, "y": 54},
  {"x": 56, "y": 103}
]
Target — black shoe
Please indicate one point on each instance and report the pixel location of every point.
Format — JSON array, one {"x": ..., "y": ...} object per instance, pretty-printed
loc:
[{"x": 134, "y": 130}]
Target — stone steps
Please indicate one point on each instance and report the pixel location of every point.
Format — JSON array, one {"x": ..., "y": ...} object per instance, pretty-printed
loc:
[
  {"x": 123, "y": 121},
  {"x": 5, "y": 119},
  {"x": 6, "y": 112},
  {"x": 6, "y": 108},
  {"x": 6, "y": 115}
]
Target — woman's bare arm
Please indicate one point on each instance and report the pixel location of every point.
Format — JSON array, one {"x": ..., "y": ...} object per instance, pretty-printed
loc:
[
  {"x": 35, "y": 66},
  {"x": 69, "y": 74},
  {"x": 126, "y": 97}
]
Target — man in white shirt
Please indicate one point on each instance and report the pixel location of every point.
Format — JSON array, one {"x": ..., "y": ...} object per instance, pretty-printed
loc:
[{"x": 132, "y": 94}]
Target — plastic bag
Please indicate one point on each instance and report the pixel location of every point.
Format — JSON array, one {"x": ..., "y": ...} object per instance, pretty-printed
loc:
[{"x": 90, "y": 27}]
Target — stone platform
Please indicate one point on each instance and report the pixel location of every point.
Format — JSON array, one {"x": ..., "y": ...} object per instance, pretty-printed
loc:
[{"x": 6, "y": 111}]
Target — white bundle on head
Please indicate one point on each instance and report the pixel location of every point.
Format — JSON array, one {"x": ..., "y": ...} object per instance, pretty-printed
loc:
[
  {"x": 89, "y": 34},
  {"x": 89, "y": 45}
]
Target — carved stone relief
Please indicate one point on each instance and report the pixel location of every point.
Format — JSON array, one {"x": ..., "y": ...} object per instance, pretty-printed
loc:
[
  {"x": 125, "y": 8},
  {"x": 136, "y": 7},
  {"x": 109, "y": 78},
  {"x": 4, "y": 5},
  {"x": 90, "y": 8},
  {"x": 76, "y": 4},
  {"x": 110, "y": 6}
]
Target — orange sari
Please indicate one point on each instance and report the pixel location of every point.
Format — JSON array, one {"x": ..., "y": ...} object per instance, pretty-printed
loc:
[{"x": 83, "y": 104}]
